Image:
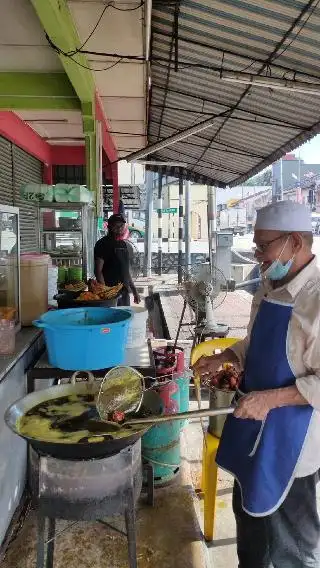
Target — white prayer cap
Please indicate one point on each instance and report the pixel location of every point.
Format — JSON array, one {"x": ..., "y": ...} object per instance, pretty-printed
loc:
[{"x": 284, "y": 216}]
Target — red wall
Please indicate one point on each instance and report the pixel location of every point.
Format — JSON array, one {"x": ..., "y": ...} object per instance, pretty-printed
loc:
[{"x": 20, "y": 133}]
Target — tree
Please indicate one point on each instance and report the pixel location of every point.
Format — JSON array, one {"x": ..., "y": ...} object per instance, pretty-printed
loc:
[{"x": 264, "y": 178}]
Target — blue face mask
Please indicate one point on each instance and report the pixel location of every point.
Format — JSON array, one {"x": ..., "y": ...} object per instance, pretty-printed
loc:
[{"x": 277, "y": 270}]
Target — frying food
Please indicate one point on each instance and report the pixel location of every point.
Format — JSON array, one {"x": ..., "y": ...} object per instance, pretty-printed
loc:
[
  {"x": 41, "y": 422},
  {"x": 117, "y": 416},
  {"x": 227, "y": 379}
]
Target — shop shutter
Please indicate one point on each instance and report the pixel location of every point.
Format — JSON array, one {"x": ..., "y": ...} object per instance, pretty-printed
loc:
[
  {"x": 6, "y": 184},
  {"x": 26, "y": 169}
]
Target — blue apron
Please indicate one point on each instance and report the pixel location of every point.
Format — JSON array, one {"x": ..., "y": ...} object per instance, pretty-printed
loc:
[{"x": 263, "y": 456}]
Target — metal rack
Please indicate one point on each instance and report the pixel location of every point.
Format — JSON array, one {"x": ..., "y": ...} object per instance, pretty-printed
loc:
[{"x": 75, "y": 240}]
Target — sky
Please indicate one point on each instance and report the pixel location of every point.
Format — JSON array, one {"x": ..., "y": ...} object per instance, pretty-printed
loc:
[{"x": 310, "y": 151}]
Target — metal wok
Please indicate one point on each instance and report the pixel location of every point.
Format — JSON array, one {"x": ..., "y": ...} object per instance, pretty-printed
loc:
[{"x": 151, "y": 404}]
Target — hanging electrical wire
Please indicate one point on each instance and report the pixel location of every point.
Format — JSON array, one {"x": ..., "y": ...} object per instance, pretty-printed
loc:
[
  {"x": 108, "y": 5},
  {"x": 313, "y": 8},
  {"x": 162, "y": 61},
  {"x": 97, "y": 70}
]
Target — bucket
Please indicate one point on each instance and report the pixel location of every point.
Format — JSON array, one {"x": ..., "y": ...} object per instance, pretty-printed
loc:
[
  {"x": 85, "y": 339},
  {"x": 218, "y": 399},
  {"x": 137, "y": 327}
]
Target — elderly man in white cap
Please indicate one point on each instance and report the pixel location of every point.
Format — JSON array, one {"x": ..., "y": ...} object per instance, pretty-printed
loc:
[{"x": 271, "y": 444}]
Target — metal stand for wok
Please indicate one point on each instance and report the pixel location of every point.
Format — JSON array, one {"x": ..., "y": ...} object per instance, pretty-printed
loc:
[{"x": 58, "y": 495}]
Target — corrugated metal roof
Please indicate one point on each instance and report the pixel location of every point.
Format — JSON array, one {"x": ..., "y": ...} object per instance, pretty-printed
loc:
[{"x": 275, "y": 38}]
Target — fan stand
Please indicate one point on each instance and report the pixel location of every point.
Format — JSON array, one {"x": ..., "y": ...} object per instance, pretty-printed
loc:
[{"x": 207, "y": 329}]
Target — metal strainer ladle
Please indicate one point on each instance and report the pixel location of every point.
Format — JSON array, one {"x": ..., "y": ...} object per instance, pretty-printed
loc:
[{"x": 121, "y": 390}]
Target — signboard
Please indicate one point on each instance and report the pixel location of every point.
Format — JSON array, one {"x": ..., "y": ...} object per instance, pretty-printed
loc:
[
  {"x": 170, "y": 210},
  {"x": 130, "y": 195}
]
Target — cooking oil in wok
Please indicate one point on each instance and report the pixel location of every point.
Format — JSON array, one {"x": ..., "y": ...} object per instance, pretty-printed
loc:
[{"x": 39, "y": 422}]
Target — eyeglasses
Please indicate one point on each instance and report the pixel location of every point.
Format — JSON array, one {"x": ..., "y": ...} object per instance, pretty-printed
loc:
[{"x": 264, "y": 246}]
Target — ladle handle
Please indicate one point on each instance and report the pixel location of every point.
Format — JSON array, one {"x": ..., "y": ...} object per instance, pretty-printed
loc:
[{"x": 182, "y": 415}]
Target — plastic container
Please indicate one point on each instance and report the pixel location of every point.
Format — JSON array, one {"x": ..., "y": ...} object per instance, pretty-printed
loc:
[
  {"x": 62, "y": 274},
  {"x": 34, "y": 286},
  {"x": 138, "y": 326},
  {"x": 75, "y": 273},
  {"x": 85, "y": 339},
  {"x": 7, "y": 337}
]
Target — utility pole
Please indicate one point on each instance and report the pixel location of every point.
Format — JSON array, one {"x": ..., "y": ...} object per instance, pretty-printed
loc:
[
  {"x": 160, "y": 224},
  {"x": 187, "y": 226},
  {"x": 180, "y": 253},
  {"x": 212, "y": 222},
  {"x": 148, "y": 233}
]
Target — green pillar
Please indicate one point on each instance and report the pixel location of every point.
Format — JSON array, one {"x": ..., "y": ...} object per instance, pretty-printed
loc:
[{"x": 91, "y": 161}]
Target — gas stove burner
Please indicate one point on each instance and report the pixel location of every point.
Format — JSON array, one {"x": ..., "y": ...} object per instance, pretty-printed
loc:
[{"x": 85, "y": 490}]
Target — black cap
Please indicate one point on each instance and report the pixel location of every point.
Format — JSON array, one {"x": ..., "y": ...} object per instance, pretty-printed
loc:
[{"x": 116, "y": 218}]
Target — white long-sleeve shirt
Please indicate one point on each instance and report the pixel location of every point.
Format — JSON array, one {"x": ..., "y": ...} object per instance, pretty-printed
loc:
[{"x": 303, "y": 349}]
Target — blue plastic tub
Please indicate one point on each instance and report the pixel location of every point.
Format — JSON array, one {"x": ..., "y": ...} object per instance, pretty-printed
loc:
[{"x": 85, "y": 339}]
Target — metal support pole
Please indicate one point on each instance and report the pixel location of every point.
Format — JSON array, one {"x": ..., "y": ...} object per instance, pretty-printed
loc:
[
  {"x": 148, "y": 233},
  {"x": 169, "y": 217},
  {"x": 187, "y": 226},
  {"x": 212, "y": 223},
  {"x": 180, "y": 228},
  {"x": 160, "y": 224}
]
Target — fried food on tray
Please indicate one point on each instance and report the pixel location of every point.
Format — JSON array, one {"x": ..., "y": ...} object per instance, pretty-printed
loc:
[
  {"x": 75, "y": 286},
  {"x": 87, "y": 297},
  {"x": 227, "y": 379},
  {"x": 99, "y": 291}
]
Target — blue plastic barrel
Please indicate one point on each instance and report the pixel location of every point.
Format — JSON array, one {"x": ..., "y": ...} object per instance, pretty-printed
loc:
[
  {"x": 161, "y": 444},
  {"x": 85, "y": 339}
]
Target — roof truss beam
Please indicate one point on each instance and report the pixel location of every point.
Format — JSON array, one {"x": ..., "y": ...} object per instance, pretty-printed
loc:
[
  {"x": 229, "y": 107},
  {"x": 204, "y": 45},
  {"x": 37, "y": 91},
  {"x": 251, "y": 120},
  {"x": 223, "y": 144}
]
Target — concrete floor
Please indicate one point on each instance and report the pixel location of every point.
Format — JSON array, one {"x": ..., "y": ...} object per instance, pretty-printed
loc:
[{"x": 168, "y": 535}]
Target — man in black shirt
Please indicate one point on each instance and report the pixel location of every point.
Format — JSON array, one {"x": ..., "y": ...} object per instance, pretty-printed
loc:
[{"x": 111, "y": 258}]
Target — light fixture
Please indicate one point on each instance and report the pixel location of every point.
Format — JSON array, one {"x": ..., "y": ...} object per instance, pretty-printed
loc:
[
  {"x": 182, "y": 135},
  {"x": 271, "y": 82},
  {"x": 77, "y": 141},
  {"x": 48, "y": 120},
  {"x": 155, "y": 163}
]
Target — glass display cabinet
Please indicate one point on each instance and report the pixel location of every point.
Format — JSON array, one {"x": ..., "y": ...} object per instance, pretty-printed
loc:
[
  {"x": 9, "y": 265},
  {"x": 67, "y": 235}
]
